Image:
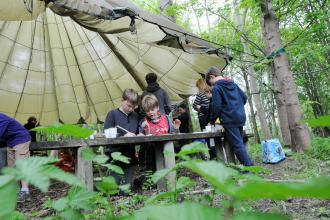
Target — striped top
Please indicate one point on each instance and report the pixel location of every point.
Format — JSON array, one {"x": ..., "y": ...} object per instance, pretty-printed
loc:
[{"x": 202, "y": 100}]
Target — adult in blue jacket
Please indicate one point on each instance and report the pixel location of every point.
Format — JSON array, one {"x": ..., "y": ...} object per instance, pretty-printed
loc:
[
  {"x": 228, "y": 102},
  {"x": 17, "y": 139}
]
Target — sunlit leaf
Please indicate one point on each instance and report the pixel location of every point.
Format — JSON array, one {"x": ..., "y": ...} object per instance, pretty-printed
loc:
[
  {"x": 185, "y": 210},
  {"x": 323, "y": 121},
  {"x": 316, "y": 188},
  {"x": 66, "y": 130}
]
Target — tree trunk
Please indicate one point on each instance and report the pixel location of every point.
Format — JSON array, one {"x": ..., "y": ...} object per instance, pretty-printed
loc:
[
  {"x": 163, "y": 5},
  {"x": 281, "y": 110},
  {"x": 253, "y": 115},
  {"x": 252, "y": 77},
  {"x": 300, "y": 136}
]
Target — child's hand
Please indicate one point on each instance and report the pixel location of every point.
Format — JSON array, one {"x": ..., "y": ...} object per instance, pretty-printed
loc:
[
  {"x": 176, "y": 123},
  {"x": 144, "y": 124},
  {"x": 129, "y": 134}
]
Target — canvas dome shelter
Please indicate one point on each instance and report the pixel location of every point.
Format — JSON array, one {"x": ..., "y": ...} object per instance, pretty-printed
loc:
[{"x": 69, "y": 61}]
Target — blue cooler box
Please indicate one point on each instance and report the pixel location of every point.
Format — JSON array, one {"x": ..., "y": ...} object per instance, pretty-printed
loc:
[{"x": 272, "y": 151}]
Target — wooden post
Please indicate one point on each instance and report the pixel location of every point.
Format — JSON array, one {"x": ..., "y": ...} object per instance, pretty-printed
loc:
[
  {"x": 170, "y": 161},
  {"x": 84, "y": 170},
  {"x": 230, "y": 152},
  {"x": 160, "y": 165},
  {"x": 165, "y": 158},
  {"x": 220, "y": 150}
]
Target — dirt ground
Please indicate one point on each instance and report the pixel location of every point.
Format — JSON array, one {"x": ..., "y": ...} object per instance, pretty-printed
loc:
[{"x": 289, "y": 169}]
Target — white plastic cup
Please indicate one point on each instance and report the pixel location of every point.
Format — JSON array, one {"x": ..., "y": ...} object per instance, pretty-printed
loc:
[
  {"x": 110, "y": 133},
  {"x": 218, "y": 127},
  {"x": 208, "y": 128}
]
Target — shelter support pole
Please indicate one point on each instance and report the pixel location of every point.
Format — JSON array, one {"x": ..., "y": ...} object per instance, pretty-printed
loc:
[{"x": 84, "y": 169}]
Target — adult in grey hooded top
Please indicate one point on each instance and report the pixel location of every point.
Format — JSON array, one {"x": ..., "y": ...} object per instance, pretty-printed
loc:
[{"x": 154, "y": 89}]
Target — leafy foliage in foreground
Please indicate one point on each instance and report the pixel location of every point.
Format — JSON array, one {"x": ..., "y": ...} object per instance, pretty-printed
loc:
[{"x": 225, "y": 180}]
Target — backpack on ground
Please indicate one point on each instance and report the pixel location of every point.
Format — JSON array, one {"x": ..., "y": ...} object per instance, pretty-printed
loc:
[{"x": 272, "y": 151}]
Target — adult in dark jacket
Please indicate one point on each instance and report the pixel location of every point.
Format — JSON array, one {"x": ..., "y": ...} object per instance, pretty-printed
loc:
[
  {"x": 228, "y": 102},
  {"x": 32, "y": 123},
  {"x": 18, "y": 140},
  {"x": 154, "y": 89}
]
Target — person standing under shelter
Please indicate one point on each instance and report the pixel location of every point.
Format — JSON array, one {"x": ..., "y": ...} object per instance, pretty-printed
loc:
[
  {"x": 202, "y": 102},
  {"x": 228, "y": 102},
  {"x": 202, "y": 106},
  {"x": 18, "y": 140},
  {"x": 32, "y": 123},
  {"x": 154, "y": 89},
  {"x": 125, "y": 117}
]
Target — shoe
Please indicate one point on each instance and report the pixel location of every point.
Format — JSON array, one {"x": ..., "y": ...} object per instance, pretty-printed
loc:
[{"x": 23, "y": 196}]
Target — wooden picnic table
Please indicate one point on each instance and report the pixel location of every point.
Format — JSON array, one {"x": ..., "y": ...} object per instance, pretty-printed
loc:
[{"x": 165, "y": 143}]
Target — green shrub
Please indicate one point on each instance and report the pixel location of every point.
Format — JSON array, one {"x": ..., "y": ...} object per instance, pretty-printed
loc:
[{"x": 320, "y": 148}]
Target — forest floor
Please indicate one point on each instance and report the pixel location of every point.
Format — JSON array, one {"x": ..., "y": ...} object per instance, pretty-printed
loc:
[{"x": 296, "y": 167}]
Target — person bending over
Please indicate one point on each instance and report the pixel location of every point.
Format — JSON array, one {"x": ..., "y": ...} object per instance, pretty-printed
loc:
[
  {"x": 228, "y": 102},
  {"x": 18, "y": 140}
]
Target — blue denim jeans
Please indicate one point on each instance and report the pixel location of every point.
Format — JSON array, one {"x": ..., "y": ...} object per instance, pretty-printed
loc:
[{"x": 235, "y": 138}]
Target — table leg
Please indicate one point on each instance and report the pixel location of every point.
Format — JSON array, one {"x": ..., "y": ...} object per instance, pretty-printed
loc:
[
  {"x": 170, "y": 161},
  {"x": 165, "y": 158},
  {"x": 84, "y": 170},
  {"x": 220, "y": 150},
  {"x": 160, "y": 165},
  {"x": 229, "y": 152}
]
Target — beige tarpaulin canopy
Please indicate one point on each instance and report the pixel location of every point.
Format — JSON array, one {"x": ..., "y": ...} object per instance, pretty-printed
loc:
[{"x": 71, "y": 60}]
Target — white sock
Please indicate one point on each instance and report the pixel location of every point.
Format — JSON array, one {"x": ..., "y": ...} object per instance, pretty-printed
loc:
[{"x": 24, "y": 189}]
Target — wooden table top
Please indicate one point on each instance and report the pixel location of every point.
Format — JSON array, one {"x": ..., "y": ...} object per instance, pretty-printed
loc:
[{"x": 53, "y": 145}]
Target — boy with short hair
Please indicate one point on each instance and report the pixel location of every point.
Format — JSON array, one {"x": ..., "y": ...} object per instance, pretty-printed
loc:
[
  {"x": 17, "y": 139},
  {"x": 228, "y": 102},
  {"x": 155, "y": 123},
  {"x": 125, "y": 117}
]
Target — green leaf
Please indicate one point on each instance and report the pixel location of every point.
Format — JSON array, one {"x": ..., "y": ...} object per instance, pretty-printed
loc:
[
  {"x": 69, "y": 214},
  {"x": 8, "y": 195},
  {"x": 117, "y": 156},
  {"x": 80, "y": 198},
  {"x": 66, "y": 129},
  {"x": 258, "y": 216},
  {"x": 60, "y": 204},
  {"x": 185, "y": 210},
  {"x": 181, "y": 185},
  {"x": 101, "y": 159},
  {"x": 108, "y": 185},
  {"x": 114, "y": 168},
  {"x": 323, "y": 121},
  {"x": 88, "y": 154},
  {"x": 254, "y": 190},
  {"x": 39, "y": 170},
  {"x": 214, "y": 172},
  {"x": 255, "y": 169},
  {"x": 193, "y": 148},
  {"x": 159, "y": 174}
]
